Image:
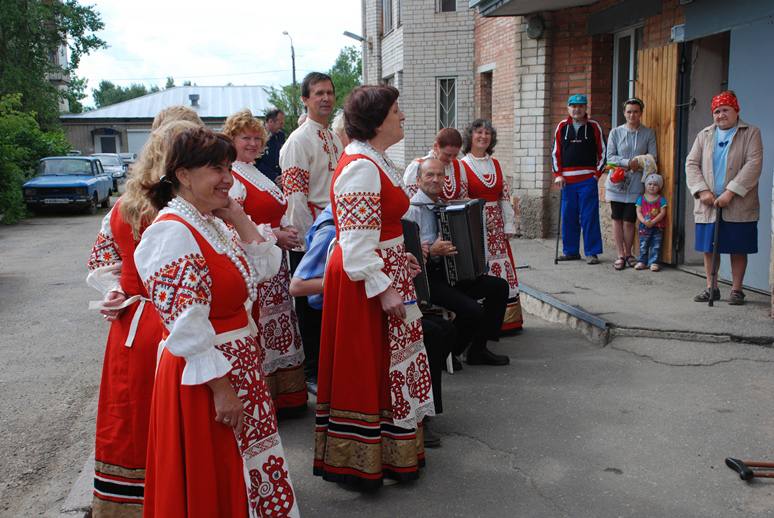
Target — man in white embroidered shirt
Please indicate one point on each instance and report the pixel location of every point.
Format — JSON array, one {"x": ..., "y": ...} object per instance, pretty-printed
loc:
[
  {"x": 308, "y": 160},
  {"x": 476, "y": 323}
]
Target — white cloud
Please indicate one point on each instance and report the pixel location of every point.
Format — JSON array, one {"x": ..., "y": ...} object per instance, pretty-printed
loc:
[{"x": 214, "y": 43}]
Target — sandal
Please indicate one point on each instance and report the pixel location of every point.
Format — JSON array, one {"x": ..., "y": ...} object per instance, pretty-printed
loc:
[
  {"x": 640, "y": 266},
  {"x": 620, "y": 263},
  {"x": 631, "y": 260},
  {"x": 736, "y": 298},
  {"x": 655, "y": 267}
]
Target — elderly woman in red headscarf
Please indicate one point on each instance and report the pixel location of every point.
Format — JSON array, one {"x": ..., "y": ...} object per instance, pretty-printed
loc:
[{"x": 722, "y": 172}]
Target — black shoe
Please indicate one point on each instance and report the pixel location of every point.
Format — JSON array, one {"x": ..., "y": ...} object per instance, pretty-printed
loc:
[
  {"x": 570, "y": 257},
  {"x": 311, "y": 386},
  {"x": 736, "y": 298},
  {"x": 487, "y": 357},
  {"x": 704, "y": 296},
  {"x": 432, "y": 439}
]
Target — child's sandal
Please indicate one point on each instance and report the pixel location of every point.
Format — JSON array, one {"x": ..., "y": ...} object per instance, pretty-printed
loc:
[{"x": 640, "y": 266}]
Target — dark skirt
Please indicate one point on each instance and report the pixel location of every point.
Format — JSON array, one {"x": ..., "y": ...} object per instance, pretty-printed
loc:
[{"x": 733, "y": 238}]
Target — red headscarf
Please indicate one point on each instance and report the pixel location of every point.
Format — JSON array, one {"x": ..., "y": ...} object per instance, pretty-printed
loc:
[{"x": 726, "y": 98}]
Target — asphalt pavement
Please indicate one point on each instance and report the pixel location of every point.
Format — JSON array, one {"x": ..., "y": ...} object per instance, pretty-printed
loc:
[{"x": 638, "y": 428}]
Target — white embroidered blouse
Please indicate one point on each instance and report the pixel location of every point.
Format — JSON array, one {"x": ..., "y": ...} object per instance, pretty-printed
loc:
[
  {"x": 175, "y": 273},
  {"x": 308, "y": 159},
  {"x": 105, "y": 260},
  {"x": 358, "y": 209}
]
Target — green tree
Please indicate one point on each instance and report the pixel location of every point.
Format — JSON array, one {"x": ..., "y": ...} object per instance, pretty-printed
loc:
[
  {"x": 108, "y": 93},
  {"x": 288, "y": 99},
  {"x": 170, "y": 83},
  {"x": 76, "y": 93},
  {"x": 346, "y": 73},
  {"x": 22, "y": 144},
  {"x": 31, "y": 32}
]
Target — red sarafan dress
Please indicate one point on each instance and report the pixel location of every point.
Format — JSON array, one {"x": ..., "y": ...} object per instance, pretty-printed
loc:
[
  {"x": 486, "y": 181},
  {"x": 199, "y": 277},
  {"x": 283, "y": 363},
  {"x": 374, "y": 383},
  {"x": 128, "y": 370},
  {"x": 455, "y": 185}
]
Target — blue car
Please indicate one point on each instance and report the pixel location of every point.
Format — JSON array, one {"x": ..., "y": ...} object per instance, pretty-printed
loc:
[{"x": 69, "y": 181}]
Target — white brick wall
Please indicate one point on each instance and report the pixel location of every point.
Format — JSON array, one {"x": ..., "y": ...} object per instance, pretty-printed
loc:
[{"x": 427, "y": 45}]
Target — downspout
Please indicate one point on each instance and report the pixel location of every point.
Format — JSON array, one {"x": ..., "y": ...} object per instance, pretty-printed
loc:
[{"x": 684, "y": 103}]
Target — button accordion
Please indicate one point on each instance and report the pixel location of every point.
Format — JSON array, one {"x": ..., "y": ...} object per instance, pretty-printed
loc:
[{"x": 462, "y": 223}]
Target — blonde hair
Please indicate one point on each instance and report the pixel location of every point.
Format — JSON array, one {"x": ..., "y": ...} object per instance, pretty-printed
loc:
[
  {"x": 241, "y": 122},
  {"x": 136, "y": 208},
  {"x": 176, "y": 113}
]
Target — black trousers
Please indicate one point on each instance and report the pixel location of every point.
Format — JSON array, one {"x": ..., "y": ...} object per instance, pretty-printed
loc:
[
  {"x": 476, "y": 322},
  {"x": 309, "y": 323},
  {"x": 440, "y": 336}
]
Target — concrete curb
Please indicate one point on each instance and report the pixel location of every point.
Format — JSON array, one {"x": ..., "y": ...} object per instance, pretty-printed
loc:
[
  {"x": 601, "y": 332},
  {"x": 78, "y": 501}
]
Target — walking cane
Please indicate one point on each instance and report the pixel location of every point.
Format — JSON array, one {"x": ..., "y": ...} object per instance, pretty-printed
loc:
[
  {"x": 743, "y": 467},
  {"x": 558, "y": 226},
  {"x": 715, "y": 256}
]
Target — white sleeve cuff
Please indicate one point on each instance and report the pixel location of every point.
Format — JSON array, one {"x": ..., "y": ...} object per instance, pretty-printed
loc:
[
  {"x": 205, "y": 366},
  {"x": 376, "y": 284}
]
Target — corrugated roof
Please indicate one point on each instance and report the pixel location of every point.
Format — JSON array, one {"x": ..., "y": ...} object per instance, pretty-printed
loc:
[{"x": 214, "y": 101}]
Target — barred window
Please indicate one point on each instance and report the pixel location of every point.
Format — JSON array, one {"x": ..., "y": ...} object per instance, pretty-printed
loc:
[{"x": 447, "y": 102}]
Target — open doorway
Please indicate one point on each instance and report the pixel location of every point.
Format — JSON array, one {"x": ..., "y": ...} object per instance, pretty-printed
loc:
[{"x": 707, "y": 74}]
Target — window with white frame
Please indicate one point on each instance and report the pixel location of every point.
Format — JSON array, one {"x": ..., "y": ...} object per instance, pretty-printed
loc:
[
  {"x": 386, "y": 16},
  {"x": 447, "y": 6},
  {"x": 625, "y": 47},
  {"x": 447, "y": 102}
]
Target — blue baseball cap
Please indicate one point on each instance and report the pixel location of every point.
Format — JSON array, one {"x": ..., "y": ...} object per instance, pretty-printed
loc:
[{"x": 577, "y": 99}]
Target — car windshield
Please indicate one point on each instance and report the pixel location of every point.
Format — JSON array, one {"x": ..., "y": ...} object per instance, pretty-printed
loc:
[
  {"x": 64, "y": 166},
  {"x": 108, "y": 160}
]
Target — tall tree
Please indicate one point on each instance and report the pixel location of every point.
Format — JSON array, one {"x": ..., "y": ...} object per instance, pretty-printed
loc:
[
  {"x": 288, "y": 99},
  {"x": 31, "y": 32},
  {"x": 346, "y": 73},
  {"x": 108, "y": 93}
]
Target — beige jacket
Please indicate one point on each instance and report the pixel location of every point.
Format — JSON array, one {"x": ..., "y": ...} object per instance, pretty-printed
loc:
[{"x": 744, "y": 163}]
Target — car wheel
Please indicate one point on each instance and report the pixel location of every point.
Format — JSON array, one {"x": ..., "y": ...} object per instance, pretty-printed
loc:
[
  {"x": 92, "y": 208},
  {"x": 106, "y": 202}
]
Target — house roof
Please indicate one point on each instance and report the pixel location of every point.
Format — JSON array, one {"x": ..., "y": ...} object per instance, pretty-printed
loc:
[{"x": 214, "y": 102}]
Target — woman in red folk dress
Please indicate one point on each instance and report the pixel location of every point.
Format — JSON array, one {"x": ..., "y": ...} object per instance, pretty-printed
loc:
[
  {"x": 263, "y": 201},
  {"x": 374, "y": 380},
  {"x": 129, "y": 365},
  {"x": 486, "y": 181},
  {"x": 213, "y": 447}
]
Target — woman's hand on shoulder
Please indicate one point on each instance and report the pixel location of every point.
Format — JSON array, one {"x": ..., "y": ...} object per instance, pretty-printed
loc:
[{"x": 392, "y": 303}]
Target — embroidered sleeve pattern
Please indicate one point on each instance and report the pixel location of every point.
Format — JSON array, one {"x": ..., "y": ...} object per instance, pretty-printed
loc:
[
  {"x": 359, "y": 211},
  {"x": 295, "y": 180},
  {"x": 179, "y": 285},
  {"x": 104, "y": 253},
  {"x": 105, "y": 260}
]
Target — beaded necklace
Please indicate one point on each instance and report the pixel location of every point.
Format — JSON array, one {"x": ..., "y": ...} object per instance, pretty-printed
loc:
[
  {"x": 488, "y": 178},
  {"x": 216, "y": 233},
  {"x": 258, "y": 179},
  {"x": 383, "y": 160}
]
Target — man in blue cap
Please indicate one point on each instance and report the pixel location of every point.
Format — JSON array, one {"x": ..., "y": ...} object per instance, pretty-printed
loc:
[{"x": 578, "y": 158}]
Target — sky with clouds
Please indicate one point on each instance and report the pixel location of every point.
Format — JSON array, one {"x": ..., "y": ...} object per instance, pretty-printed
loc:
[{"x": 215, "y": 43}]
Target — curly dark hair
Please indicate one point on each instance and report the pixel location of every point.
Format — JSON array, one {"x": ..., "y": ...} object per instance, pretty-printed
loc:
[
  {"x": 196, "y": 147},
  {"x": 473, "y": 126},
  {"x": 366, "y": 108}
]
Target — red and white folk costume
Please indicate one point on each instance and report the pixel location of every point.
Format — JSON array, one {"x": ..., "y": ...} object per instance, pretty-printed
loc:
[
  {"x": 201, "y": 278},
  {"x": 128, "y": 370},
  {"x": 455, "y": 185},
  {"x": 374, "y": 383},
  {"x": 486, "y": 181},
  {"x": 308, "y": 160},
  {"x": 278, "y": 330}
]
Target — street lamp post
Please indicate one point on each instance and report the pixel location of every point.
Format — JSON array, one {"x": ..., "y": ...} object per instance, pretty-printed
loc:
[
  {"x": 293, "y": 62},
  {"x": 363, "y": 42}
]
